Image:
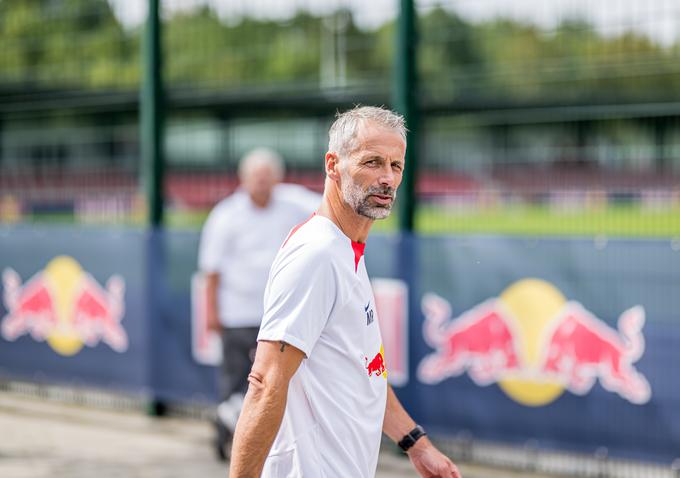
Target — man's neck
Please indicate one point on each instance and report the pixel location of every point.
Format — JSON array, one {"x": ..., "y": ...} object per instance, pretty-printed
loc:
[
  {"x": 260, "y": 201},
  {"x": 333, "y": 207}
]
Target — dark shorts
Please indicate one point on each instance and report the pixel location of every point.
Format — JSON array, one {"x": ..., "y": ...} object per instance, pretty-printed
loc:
[{"x": 238, "y": 353}]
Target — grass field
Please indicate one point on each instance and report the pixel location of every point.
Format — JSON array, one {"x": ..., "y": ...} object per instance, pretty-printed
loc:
[
  {"x": 526, "y": 220},
  {"x": 629, "y": 221},
  {"x": 625, "y": 221}
]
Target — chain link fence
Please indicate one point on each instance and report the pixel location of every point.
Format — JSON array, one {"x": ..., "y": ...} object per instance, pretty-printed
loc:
[{"x": 557, "y": 119}]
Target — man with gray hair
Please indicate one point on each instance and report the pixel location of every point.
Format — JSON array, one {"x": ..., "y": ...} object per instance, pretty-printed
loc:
[
  {"x": 318, "y": 397},
  {"x": 238, "y": 243}
]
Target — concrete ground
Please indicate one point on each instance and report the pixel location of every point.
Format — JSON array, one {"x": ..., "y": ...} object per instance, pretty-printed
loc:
[{"x": 40, "y": 438}]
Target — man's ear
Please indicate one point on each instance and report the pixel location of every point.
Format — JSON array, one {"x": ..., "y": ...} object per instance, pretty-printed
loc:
[{"x": 332, "y": 170}]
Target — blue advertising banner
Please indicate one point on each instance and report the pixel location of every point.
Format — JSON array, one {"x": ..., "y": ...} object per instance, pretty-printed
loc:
[
  {"x": 73, "y": 306},
  {"x": 100, "y": 307},
  {"x": 176, "y": 374},
  {"x": 568, "y": 343}
]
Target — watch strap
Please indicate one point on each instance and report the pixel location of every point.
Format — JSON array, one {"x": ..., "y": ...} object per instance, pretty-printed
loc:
[{"x": 411, "y": 438}]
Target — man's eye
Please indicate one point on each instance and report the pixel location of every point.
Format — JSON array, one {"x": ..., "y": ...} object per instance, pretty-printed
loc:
[{"x": 397, "y": 166}]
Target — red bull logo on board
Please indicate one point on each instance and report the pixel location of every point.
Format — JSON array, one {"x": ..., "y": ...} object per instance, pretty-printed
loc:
[
  {"x": 64, "y": 306},
  {"x": 535, "y": 344}
]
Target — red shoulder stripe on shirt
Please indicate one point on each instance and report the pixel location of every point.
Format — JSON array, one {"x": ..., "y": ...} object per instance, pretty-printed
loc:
[
  {"x": 358, "y": 248},
  {"x": 295, "y": 229}
]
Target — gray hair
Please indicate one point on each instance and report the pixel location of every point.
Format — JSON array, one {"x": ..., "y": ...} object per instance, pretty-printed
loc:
[
  {"x": 343, "y": 132},
  {"x": 260, "y": 156}
]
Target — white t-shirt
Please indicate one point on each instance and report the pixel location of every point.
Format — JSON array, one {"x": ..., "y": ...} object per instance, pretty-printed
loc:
[
  {"x": 319, "y": 299},
  {"x": 240, "y": 240}
]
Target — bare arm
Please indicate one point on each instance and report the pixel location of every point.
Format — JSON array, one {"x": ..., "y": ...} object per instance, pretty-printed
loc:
[
  {"x": 265, "y": 402},
  {"x": 212, "y": 283},
  {"x": 428, "y": 461}
]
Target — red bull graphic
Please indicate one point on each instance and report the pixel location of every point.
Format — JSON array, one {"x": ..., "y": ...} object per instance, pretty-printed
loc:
[
  {"x": 65, "y": 306},
  {"x": 580, "y": 349},
  {"x": 376, "y": 367},
  {"x": 480, "y": 342},
  {"x": 535, "y": 344}
]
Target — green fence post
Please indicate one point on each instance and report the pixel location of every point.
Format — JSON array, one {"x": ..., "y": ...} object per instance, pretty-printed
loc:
[
  {"x": 151, "y": 110},
  {"x": 152, "y": 169},
  {"x": 405, "y": 95}
]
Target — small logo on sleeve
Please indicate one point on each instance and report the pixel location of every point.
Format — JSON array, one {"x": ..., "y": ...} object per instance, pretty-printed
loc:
[{"x": 369, "y": 313}]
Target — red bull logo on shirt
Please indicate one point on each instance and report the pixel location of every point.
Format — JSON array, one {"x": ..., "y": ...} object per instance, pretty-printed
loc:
[
  {"x": 64, "y": 306},
  {"x": 535, "y": 344},
  {"x": 376, "y": 366}
]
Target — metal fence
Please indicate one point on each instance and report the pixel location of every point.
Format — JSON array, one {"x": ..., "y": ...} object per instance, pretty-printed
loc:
[
  {"x": 537, "y": 118},
  {"x": 561, "y": 119},
  {"x": 65, "y": 151}
]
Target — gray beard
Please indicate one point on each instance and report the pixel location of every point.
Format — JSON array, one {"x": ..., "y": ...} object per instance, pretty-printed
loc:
[{"x": 358, "y": 199}]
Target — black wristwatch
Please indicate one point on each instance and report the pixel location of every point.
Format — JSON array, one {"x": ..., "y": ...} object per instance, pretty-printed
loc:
[{"x": 413, "y": 436}]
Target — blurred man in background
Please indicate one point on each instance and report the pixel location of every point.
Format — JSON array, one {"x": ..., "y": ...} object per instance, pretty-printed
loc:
[{"x": 239, "y": 241}]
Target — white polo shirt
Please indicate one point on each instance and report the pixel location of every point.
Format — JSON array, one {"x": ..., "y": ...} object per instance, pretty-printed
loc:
[
  {"x": 319, "y": 299},
  {"x": 240, "y": 240}
]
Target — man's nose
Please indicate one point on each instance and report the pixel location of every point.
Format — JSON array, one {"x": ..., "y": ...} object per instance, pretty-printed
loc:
[{"x": 386, "y": 176}]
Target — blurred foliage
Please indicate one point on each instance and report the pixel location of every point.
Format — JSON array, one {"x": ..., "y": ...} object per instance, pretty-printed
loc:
[
  {"x": 80, "y": 43},
  {"x": 76, "y": 42},
  {"x": 199, "y": 48}
]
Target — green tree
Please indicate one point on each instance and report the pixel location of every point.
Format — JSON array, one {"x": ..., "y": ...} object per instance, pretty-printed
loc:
[
  {"x": 450, "y": 62},
  {"x": 80, "y": 43},
  {"x": 67, "y": 42}
]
